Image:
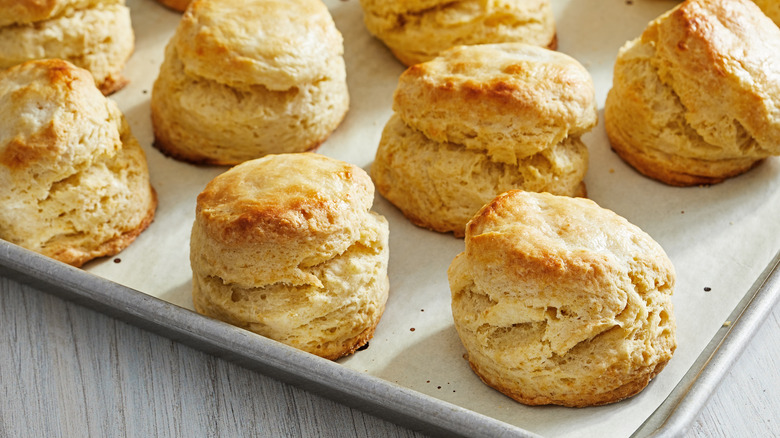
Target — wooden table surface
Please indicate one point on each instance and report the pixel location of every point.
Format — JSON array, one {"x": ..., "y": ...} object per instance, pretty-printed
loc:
[{"x": 69, "y": 371}]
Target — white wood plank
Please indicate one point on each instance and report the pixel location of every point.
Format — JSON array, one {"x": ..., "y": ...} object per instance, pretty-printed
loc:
[
  {"x": 747, "y": 404},
  {"x": 70, "y": 371}
]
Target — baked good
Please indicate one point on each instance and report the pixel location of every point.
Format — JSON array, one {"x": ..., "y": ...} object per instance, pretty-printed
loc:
[
  {"x": 771, "y": 8},
  {"x": 245, "y": 78},
  {"x": 480, "y": 120},
  {"x": 509, "y": 100},
  {"x": 441, "y": 185},
  {"x": 176, "y": 5},
  {"x": 96, "y": 35},
  {"x": 286, "y": 246},
  {"x": 559, "y": 301},
  {"x": 694, "y": 98},
  {"x": 418, "y": 30},
  {"x": 74, "y": 183}
]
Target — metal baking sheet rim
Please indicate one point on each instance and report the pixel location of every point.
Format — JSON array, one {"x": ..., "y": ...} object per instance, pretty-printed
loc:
[{"x": 362, "y": 391}]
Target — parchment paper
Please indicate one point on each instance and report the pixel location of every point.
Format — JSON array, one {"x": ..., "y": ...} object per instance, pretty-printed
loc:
[{"x": 719, "y": 237}]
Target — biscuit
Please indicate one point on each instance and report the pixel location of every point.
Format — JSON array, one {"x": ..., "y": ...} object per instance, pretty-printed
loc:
[
  {"x": 286, "y": 246},
  {"x": 559, "y": 301},
  {"x": 74, "y": 183},
  {"x": 441, "y": 185},
  {"x": 419, "y": 30},
  {"x": 480, "y": 120},
  {"x": 694, "y": 98},
  {"x": 31, "y": 11},
  {"x": 94, "y": 35},
  {"x": 245, "y": 78},
  {"x": 509, "y": 100}
]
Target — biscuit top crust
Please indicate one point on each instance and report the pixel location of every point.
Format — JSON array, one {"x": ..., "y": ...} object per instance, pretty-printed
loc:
[
  {"x": 385, "y": 7},
  {"x": 30, "y": 11},
  {"x": 543, "y": 250},
  {"x": 532, "y": 82},
  {"x": 722, "y": 59},
  {"x": 304, "y": 198},
  {"x": 274, "y": 43},
  {"x": 556, "y": 224},
  {"x": 396, "y": 14},
  {"x": 52, "y": 118},
  {"x": 508, "y": 88},
  {"x": 556, "y": 236}
]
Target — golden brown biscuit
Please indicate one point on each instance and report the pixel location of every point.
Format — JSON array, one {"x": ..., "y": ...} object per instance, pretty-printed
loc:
[
  {"x": 74, "y": 184},
  {"x": 94, "y": 35},
  {"x": 479, "y": 120},
  {"x": 441, "y": 185},
  {"x": 419, "y": 30},
  {"x": 694, "y": 98},
  {"x": 559, "y": 301},
  {"x": 286, "y": 246},
  {"x": 246, "y": 78},
  {"x": 30, "y": 11},
  {"x": 509, "y": 100}
]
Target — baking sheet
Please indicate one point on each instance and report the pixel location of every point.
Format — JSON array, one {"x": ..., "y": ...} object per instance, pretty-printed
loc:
[{"x": 718, "y": 237}]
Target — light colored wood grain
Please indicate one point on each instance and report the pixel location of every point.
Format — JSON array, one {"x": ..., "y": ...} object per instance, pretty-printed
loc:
[
  {"x": 70, "y": 371},
  {"x": 747, "y": 402}
]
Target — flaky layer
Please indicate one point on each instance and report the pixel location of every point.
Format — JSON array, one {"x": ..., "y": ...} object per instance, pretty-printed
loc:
[
  {"x": 14, "y": 12},
  {"x": 558, "y": 301},
  {"x": 283, "y": 213},
  {"x": 442, "y": 185},
  {"x": 279, "y": 44},
  {"x": 331, "y": 318},
  {"x": 417, "y": 31},
  {"x": 99, "y": 39},
  {"x": 203, "y": 121},
  {"x": 696, "y": 99},
  {"x": 74, "y": 183},
  {"x": 509, "y": 100},
  {"x": 287, "y": 246}
]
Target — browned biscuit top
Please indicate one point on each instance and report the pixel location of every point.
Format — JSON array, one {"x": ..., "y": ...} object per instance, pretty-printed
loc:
[
  {"x": 722, "y": 58},
  {"x": 287, "y": 197},
  {"x": 30, "y": 11},
  {"x": 560, "y": 301},
  {"x": 57, "y": 117},
  {"x": 528, "y": 238},
  {"x": 512, "y": 99},
  {"x": 275, "y": 43}
]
